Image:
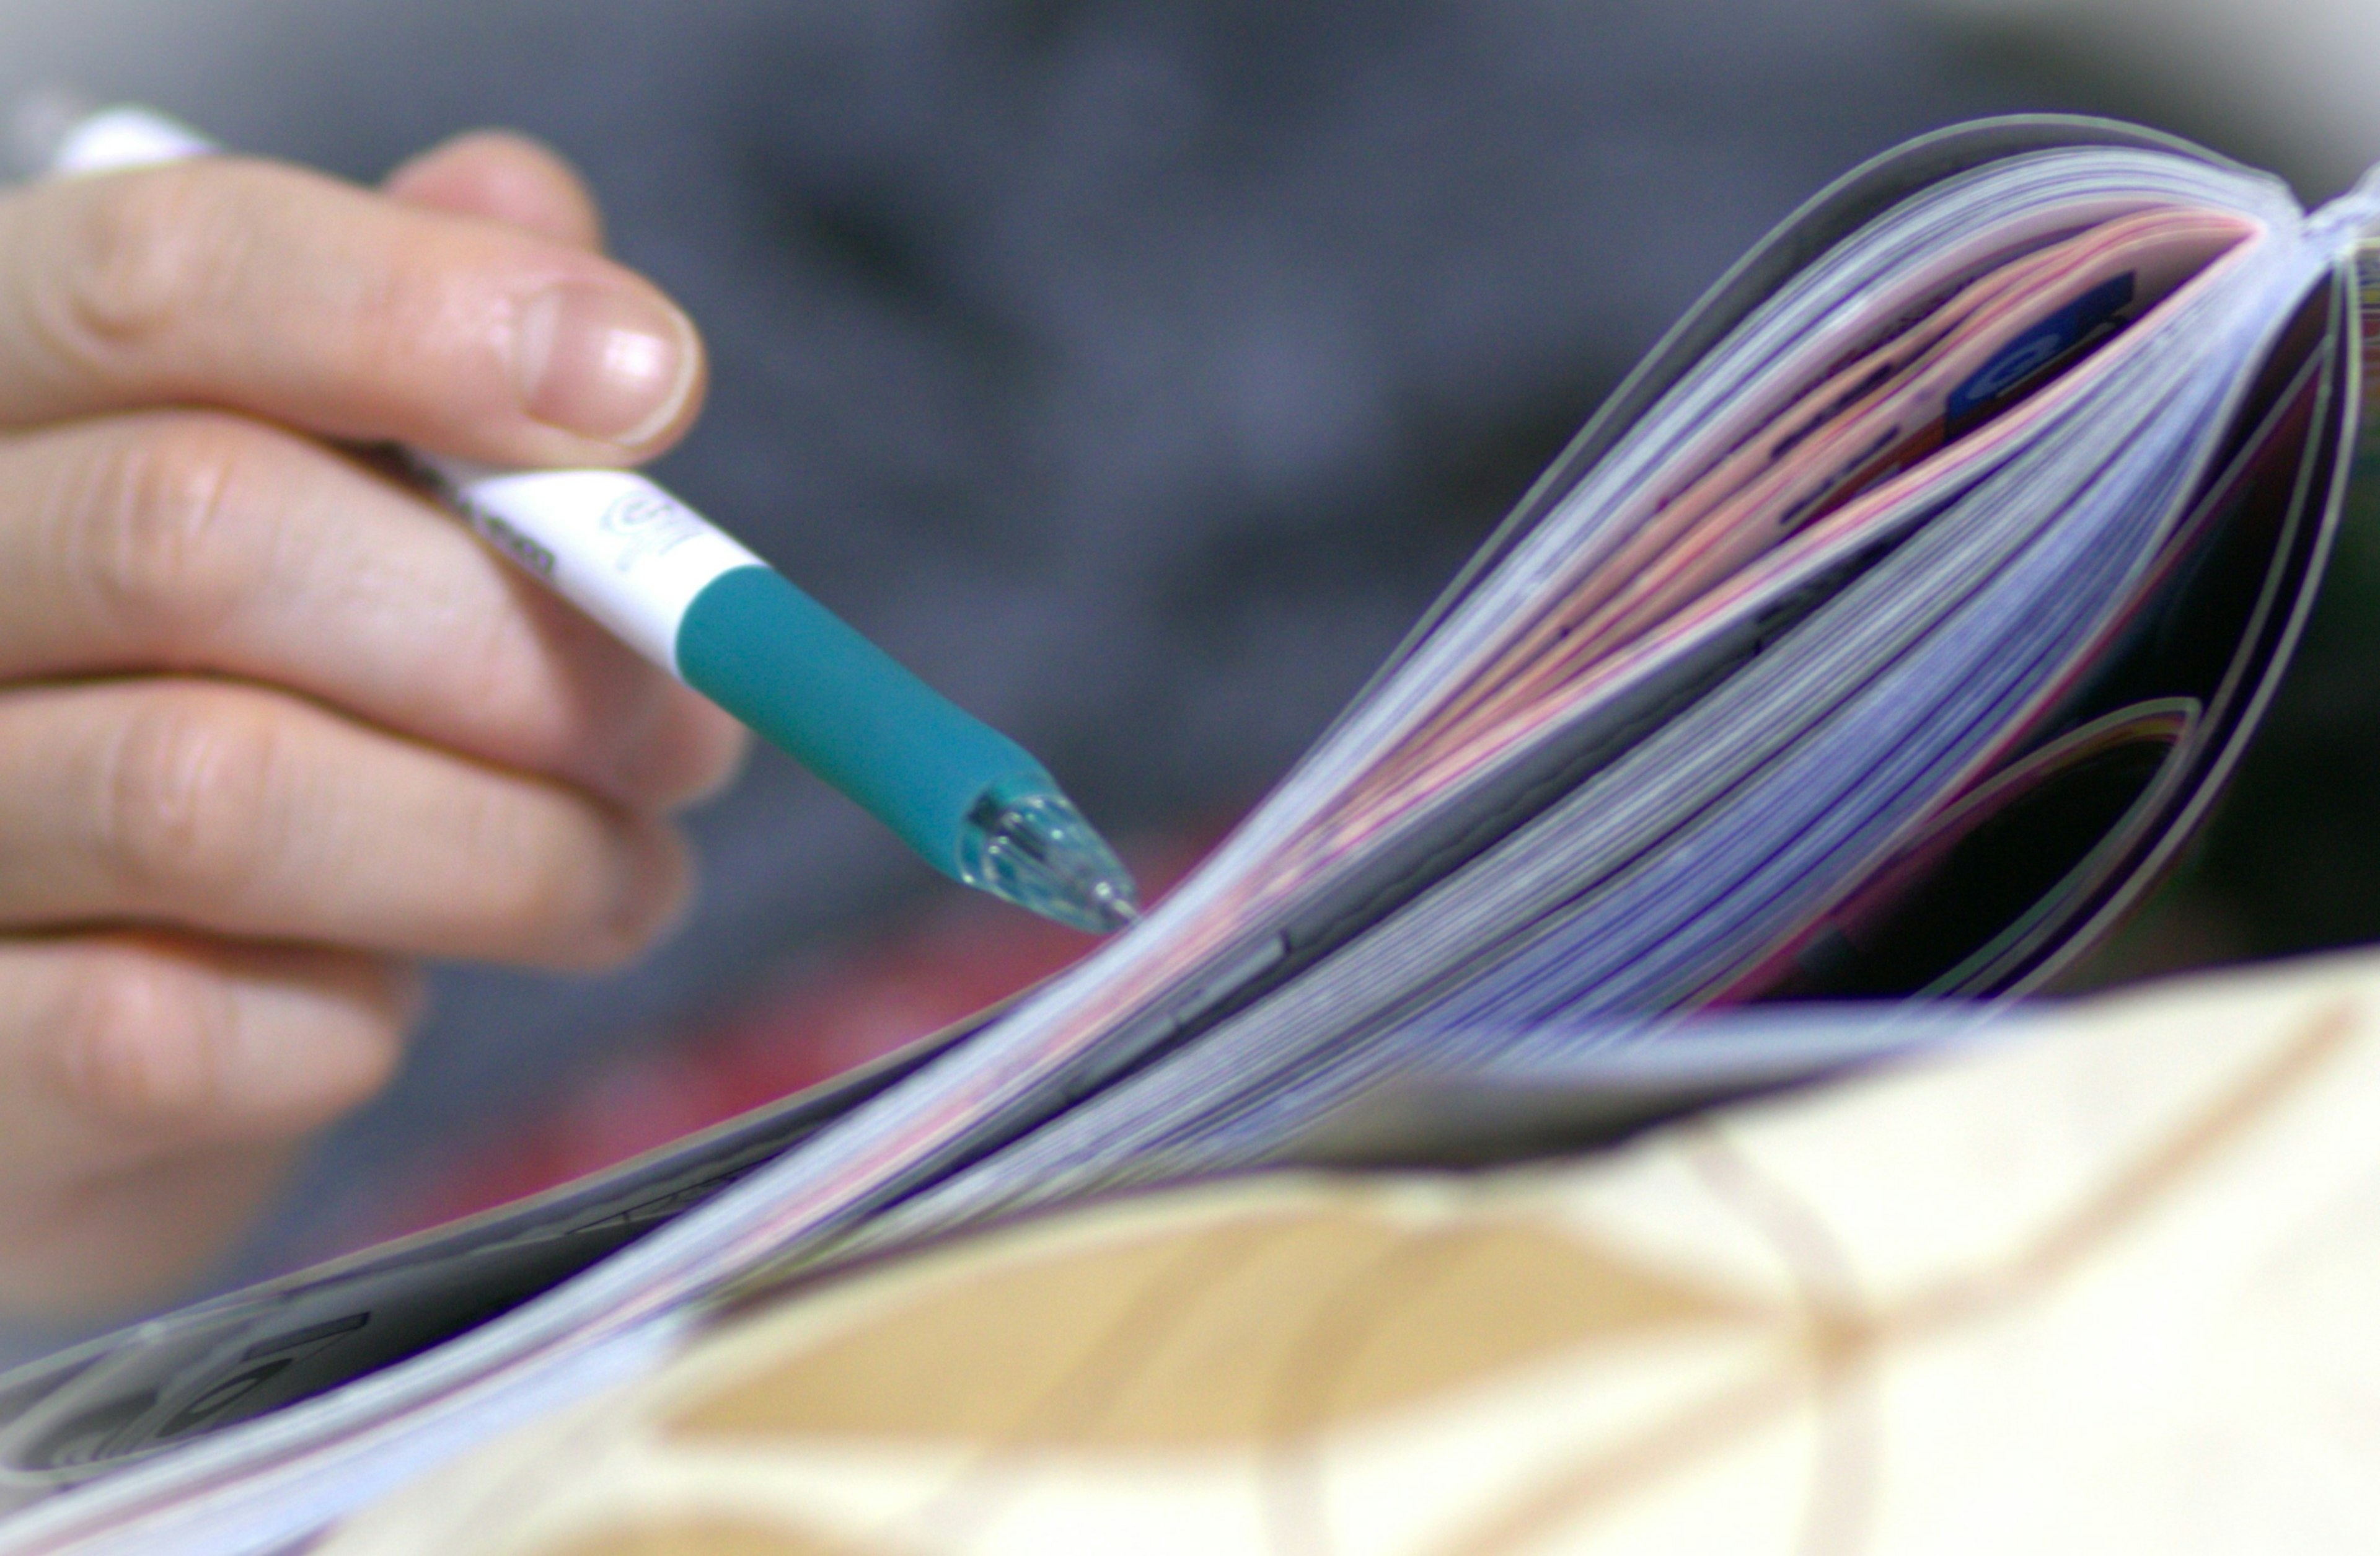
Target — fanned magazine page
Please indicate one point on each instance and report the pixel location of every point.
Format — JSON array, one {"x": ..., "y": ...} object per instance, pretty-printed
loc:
[{"x": 1882, "y": 638}]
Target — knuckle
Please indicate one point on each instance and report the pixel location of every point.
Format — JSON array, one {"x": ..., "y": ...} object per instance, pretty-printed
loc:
[
  {"x": 143, "y": 1038},
  {"x": 148, "y": 253},
  {"x": 191, "y": 784},
  {"x": 163, "y": 536}
]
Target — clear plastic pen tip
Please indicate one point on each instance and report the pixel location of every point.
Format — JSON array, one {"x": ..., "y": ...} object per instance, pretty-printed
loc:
[{"x": 1033, "y": 848}]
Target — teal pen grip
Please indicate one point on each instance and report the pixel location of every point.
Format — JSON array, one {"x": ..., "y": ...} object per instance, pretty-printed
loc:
[{"x": 846, "y": 709}]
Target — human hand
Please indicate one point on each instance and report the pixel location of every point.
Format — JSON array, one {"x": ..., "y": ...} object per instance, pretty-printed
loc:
[{"x": 271, "y": 725}]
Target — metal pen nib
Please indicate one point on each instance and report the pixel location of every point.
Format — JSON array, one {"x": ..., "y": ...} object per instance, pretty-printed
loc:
[{"x": 1032, "y": 847}]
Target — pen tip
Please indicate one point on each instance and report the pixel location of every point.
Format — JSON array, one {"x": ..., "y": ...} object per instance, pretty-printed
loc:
[{"x": 1033, "y": 848}]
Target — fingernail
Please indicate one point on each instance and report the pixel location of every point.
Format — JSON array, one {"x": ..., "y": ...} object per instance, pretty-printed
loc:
[{"x": 604, "y": 362}]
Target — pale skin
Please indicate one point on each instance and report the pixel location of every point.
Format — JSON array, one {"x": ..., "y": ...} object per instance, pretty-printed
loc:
[{"x": 271, "y": 725}]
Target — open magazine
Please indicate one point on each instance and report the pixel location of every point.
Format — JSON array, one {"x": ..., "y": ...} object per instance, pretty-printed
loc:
[{"x": 1884, "y": 636}]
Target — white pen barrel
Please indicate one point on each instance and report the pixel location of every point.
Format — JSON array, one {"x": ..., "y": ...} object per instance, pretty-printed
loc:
[{"x": 610, "y": 542}]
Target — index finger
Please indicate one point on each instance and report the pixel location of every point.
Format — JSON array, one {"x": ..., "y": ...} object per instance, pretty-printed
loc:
[{"x": 294, "y": 296}]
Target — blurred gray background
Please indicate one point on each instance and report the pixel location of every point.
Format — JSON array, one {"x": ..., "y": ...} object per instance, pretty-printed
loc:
[{"x": 1137, "y": 372}]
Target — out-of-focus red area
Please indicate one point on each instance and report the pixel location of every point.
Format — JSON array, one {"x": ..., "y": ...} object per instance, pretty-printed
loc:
[{"x": 864, "y": 1002}]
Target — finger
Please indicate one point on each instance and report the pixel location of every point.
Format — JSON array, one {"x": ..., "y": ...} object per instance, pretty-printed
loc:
[
  {"x": 310, "y": 302},
  {"x": 118, "y": 1047},
  {"x": 149, "y": 1088},
  {"x": 198, "y": 541},
  {"x": 506, "y": 177},
  {"x": 245, "y": 812},
  {"x": 104, "y": 1245}
]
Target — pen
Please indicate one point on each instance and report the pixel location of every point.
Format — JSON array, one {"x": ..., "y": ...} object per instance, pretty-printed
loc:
[{"x": 694, "y": 601}]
